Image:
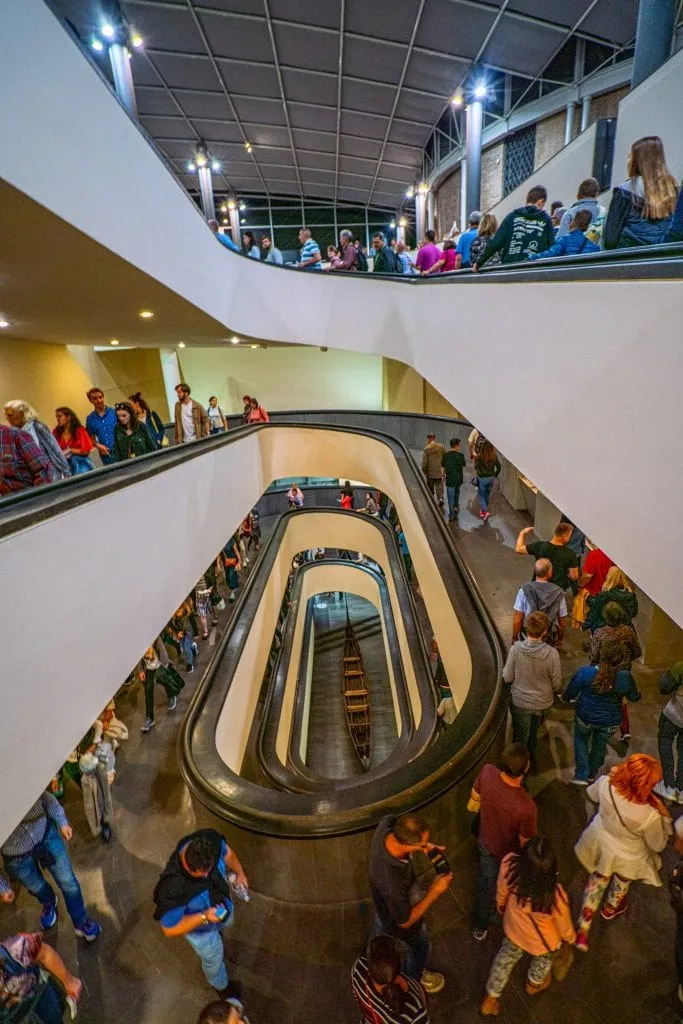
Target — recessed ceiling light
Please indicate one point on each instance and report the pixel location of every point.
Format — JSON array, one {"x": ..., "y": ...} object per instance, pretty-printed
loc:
[
  {"x": 224, "y": 208},
  {"x": 137, "y": 41},
  {"x": 181, "y": 344},
  {"x": 253, "y": 346},
  {"x": 108, "y": 31},
  {"x": 235, "y": 340},
  {"x": 114, "y": 341},
  {"x": 97, "y": 45},
  {"x": 146, "y": 314},
  {"x": 4, "y": 323}
]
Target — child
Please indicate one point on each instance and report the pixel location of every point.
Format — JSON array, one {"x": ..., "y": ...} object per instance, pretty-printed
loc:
[{"x": 573, "y": 244}]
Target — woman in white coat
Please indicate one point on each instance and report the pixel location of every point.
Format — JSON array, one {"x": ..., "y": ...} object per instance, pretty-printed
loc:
[{"x": 623, "y": 841}]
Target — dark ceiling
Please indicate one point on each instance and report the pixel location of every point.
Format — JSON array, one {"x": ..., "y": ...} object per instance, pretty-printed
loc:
[{"x": 336, "y": 97}]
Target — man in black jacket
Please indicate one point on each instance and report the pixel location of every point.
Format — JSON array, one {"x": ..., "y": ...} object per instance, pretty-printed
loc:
[{"x": 525, "y": 231}]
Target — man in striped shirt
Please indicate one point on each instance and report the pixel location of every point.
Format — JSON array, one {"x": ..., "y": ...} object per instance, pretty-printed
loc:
[
  {"x": 39, "y": 841},
  {"x": 309, "y": 258}
]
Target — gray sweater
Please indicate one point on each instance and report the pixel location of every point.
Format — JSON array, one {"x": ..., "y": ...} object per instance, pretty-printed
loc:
[{"x": 533, "y": 668}]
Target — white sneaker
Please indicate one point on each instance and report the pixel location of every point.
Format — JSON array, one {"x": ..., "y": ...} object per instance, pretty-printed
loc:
[{"x": 666, "y": 792}]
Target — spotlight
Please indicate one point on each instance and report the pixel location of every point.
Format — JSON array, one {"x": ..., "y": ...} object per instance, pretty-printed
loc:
[
  {"x": 108, "y": 31},
  {"x": 181, "y": 344},
  {"x": 403, "y": 223},
  {"x": 243, "y": 207},
  {"x": 97, "y": 45},
  {"x": 114, "y": 341},
  {"x": 423, "y": 188},
  {"x": 232, "y": 205},
  {"x": 215, "y": 166},
  {"x": 136, "y": 41},
  {"x": 457, "y": 100},
  {"x": 253, "y": 346},
  {"x": 480, "y": 91},
  {"x": 234, "y": 340},
  {"x": 224, "y": 207},
  {"x": 393, "y": 224},
  {"x": 191, "y": 167},
  {"x": 410, "y": 193},
  {"x": 201, "y": 160},
  {"x": 225, "y": 220},
  {"x": 4, "y": 323},
  {"x": 146, "y": 314}
]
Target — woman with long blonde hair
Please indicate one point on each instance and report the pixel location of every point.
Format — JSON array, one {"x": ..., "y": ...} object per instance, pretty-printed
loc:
[
  {"x": 642, "y": 207},
  {"x": 488, "y": 225},
  {"x": 623, "y": 841},
  {"x": 618, "y": 588}
]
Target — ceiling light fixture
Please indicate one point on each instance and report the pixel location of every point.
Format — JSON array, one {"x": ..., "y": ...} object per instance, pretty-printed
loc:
[
  {"x": 136, "y": 41},
  {"x": 146, "y": 314},
  {"x": 215, "y": 166},
  {"x": 457, "y": 100},
  {"x": 232, "y": 205},
  {"x": 423, "y": 188},
  {"x": 191, "y": 167},
  {"x": 4, "y": 323},
  {"x": 224, "y": 207},
  {"x": 253, "y": 346},
  {"x": 114, "y": 341},
  {"x": 234, "y": 340},
  {"x": 393, "y": 224},
  {"x": 225, "y": 220},
  {"x": 480, "y": 90},
  {"x": 403, "y": 223},
  {"x": 410, "y": 193},
  {"x": 97, "y": 45},
  {"x": 247, "y": 145},
  {"x": 243, "y": 206},
  {"x": 181, "y": 344},
  {"x": 108, "y": 31}
]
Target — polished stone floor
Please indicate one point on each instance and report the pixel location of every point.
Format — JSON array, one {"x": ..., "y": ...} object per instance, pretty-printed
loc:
[{"x": 294, "y": 962}]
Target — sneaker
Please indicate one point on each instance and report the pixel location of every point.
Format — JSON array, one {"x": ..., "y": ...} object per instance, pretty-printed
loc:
[
  {"x": 172, "y": 703},
  {"x": 666, "y": 792},
  {"x": 479, "y": 934},
  {"x": 486, "y": 516},
  {"x": 106, "y": 834},
  {"x": 432, "y": 982},
  {"x": 189, "y": 668},
  {"x": 89, "y": 930},
  {"x": 581, "y": 943},
  {"x": 214, "y": 622},
  {"x": 231, "y": 995},
  {"x": 205, "y": 636},
  {"x": 609, "y": 913},
  {"x": 532, "y": 990},
  {"x": 48, "y": 916},
  {"x": 490, "y": 1007},
  {"x": 147, "y": 725},
  {"x": 232, "y": 595},
  {"x": 195, "y": 648},
  {"x": 578, "y": 782},
  {"x": 482, "y": 514}
]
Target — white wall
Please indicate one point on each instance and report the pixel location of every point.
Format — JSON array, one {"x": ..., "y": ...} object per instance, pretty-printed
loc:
[
  {"x": 284, "y": 378},
  {"x": 560, "y": 175},
  {"x": 654, "y": 108},
  {"x": 588, "y": 361},
  {"x": 104, "y": 589}
]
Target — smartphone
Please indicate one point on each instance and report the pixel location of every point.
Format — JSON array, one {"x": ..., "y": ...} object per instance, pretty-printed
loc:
[
  {"x": 221, "y": 912},
  {"x": 439, "y": 862}
]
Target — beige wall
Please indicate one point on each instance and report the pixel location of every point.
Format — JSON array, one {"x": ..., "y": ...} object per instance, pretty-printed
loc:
[
  {"x": 284, "y": 378},
  {"x": 654, "y": 108},
  {"x": 44, "y": 375},
  {"x": 404, "y": 390}
]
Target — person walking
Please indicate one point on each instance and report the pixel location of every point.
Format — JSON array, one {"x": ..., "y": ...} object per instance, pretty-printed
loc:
[
  {"x": 74, "y": 441},
  {"x": 148, "y": 418},
  {"x": 34, "y": 981},
  {"x": 131, "y": 439},
  {"x": 533, "y": 669},
  {"x": 564, "y": 561},
  {"x": 154, "y": 668},
  {"x": 217, "y": 421},
  {"x": 536, "y": 920},
  {"x": 453, "y": 463},
  {"x": 432, "y": 459},
  {"x": 617, "y": 587},
  {"x": 191, "y": 420},
  {"x": 22, "y": 463},
  {"x": 22, "y": 416},
  {"x": 40, "y": 840},
  {"x": 507, "y": 819},
  {"x": 384, "y": 994},
  {"x": 598, "y": 691},
  {"x": 233, "y": 564},
  {"x": 399, "y": 906},
  {"x": 670, "y": 733},
  {"x": 486, "y": 468},
  {"x": 257, "y": 414},
  {"x": 541, "y": 595},
  {"x": 622, "y": 843},
  {"x": 100, "y": 424},
  {"x": 642, "y": 207},
  {"x": 193, "y": 900}
]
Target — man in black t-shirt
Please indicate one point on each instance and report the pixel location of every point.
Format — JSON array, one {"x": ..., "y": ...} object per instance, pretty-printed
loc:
[
  {"x": 453, "y": 462},
  {"x": 392, "y": 880},
  {"x": 564, "y": 561}
]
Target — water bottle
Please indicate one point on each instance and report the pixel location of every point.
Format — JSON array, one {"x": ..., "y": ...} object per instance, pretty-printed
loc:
[{"x": 239, "y": 889}]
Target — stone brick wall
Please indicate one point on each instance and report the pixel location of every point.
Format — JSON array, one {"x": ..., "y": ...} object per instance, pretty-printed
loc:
[
  {"x": 448, "y": 203},
  {"x": 492, "y": 162},
  {"x": 607, "y": 105}
]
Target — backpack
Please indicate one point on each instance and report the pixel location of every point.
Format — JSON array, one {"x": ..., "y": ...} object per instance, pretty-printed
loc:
[
  {"x": 551, "y": 608},
  {"x": 395, "y": 265},
  {"x": 594, "y": 230},
  {"x": 361, "y": 261}
]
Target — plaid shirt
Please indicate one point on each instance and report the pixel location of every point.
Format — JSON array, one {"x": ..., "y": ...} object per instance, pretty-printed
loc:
[
  {"x": 31, "y": 830},
  {"x": 22, "y": 464}
]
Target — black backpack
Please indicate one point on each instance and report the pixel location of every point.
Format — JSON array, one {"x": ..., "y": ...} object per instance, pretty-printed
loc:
[{"x": 361, "y": 261}]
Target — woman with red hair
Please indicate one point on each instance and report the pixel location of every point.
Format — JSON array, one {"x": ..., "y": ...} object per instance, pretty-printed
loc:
[{"x": 623, "y": 841}]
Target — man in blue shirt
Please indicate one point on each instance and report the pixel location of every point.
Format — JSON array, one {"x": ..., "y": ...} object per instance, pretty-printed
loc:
[
  {"x": 225, "y": 240},
  {"x": 462, "y": 249},
  {"x": 101, "y": 424},
  {"x": 310, "y": 251},
  {"x": 193, "y": 900},
  {"x": 272, "y": 254}
]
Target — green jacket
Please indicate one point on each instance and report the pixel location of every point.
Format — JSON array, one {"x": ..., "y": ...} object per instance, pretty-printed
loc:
[{"x": 130, "y": 446}]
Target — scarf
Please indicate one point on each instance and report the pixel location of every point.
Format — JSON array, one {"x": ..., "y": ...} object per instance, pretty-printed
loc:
[{"x": 176, "y": 887}]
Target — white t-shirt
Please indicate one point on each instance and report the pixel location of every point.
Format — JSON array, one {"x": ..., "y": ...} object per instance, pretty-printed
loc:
[
  {"x": 188, "y": 421},
  {"x": 215, "y": 416}
]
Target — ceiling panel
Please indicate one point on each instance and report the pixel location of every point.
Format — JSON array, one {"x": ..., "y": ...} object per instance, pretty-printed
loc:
[
  {"x": 180, "y": 71},
  {"x": 453, "y": 28},
  {"x": 357, "y": 164},
  {"x": 260, "y": 110},
  {"x": 265, "y": 135},
  {"x": 299, "y": 46},
  {"x": 155, "y": 101},
  {"x": 373, "y": 60},
  {"x": 613, "y": 20},
  {"x": 360, "y": 147},
  {"x": 322, "y": 119},
  {"x": 414, "y": 106},
  {"x": 562, "y": 12},
  {"x": 409, "y": 134},
  {"x": 323, "y": 142},
  {"x": 310, "y": 86},
  {"x": 233, "y": 36},
  {"x": 217, "y": 131},
  {"x": 520, "y": 44},
  {"x": 368, "y": 96},
  {"x": 308, "y": 12},
  {"x": 164, "y": 27},
  {"x": 211, "y": 105},
  {"x": 323, "y": 161},
  {"x": 397, "y": 154},
  {"x": 434, "y": 73},
  {"x": 382, "y": 19},
  {"x": 368, "y": 126},
  {"x": 249, "y": 79},
  {"x": 277, "y": 155},
  {"x": 168, "y": 128}
]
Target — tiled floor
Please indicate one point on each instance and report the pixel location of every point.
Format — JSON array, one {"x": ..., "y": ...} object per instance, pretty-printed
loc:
[{"x": 294, "y": 961}]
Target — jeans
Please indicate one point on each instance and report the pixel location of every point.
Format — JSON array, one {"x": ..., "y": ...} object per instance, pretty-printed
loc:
[
  {"x": 435, "y": 485},
  {"x": 188, "y": 653},
  {"x": 525, "y": 726},
  {"x": 453, "y": 495},
  {"x": 414, "y": 960},
  {"x": 501, "y": 968},
  {"x": 24, "y": 869},
  {"x": 667, "y": 734},
  {"x": 209, "y": 948},
  {"x": 80, "y": 464},
  {"x": 50, "y": 1006},
  {"x": 216, "y": 430},
  {"x": 590, "y": 745},
  {"x": 485, "y": 486},
  {"x": 485, "y": 889}
]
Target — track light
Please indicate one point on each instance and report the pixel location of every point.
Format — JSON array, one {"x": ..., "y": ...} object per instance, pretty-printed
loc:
[
  {"x": 457, "y": 100},
  {"x": 97, "y": 45},
  {"x": 215, "y": 166},
  {"x": 108, "y": 31},
  {"x": 136, "y": 41},
  {"x": 480, "y": 91}
]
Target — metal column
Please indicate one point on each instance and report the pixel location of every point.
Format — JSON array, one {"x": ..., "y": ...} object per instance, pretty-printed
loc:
[
  {"x": 235, "y": 224},
  {"x": 420, "y": 211},
  {"x": 430, "y": 210},
  {"x": 119, "y": 58},
  {"x": 475, "y": 117},
  {"x": 585, "y": 112},
  {"x": 569, "y": 123},
  {"x": 654, "y": 35},
  {"x": 206, "y": 192}
]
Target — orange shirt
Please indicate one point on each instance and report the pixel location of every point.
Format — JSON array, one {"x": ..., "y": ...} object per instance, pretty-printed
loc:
[{"x": 522, "y": 925}]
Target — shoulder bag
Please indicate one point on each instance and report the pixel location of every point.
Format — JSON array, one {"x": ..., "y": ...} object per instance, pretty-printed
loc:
[
  {"x": 563, "y": 956},
  {"x": 652, "y": 855}
]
